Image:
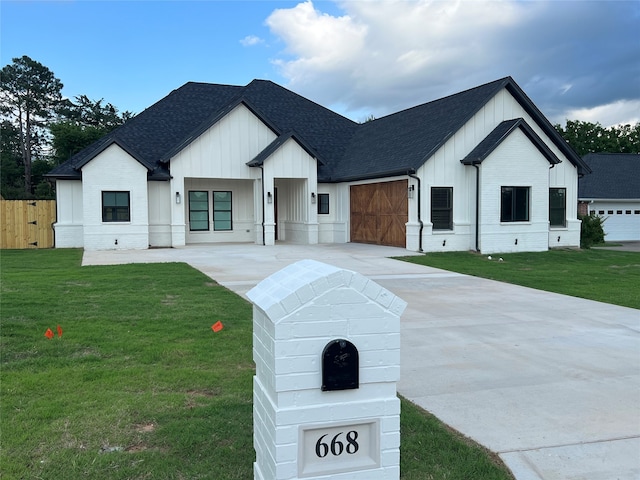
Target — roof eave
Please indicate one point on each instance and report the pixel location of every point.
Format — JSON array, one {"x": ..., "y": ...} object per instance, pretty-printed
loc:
[
  {"x": 382, "y": 175},
  {"x": 546, "y": 126},
  {"x": 533, "y": 137},
  {"x": 64, "y": 176},
  {"x": 273, "y": 147}
]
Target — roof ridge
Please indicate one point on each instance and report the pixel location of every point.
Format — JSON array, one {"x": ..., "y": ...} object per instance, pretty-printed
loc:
[
  {"x": 301, "y": 97},
  {"x": 500, "y": 83}
]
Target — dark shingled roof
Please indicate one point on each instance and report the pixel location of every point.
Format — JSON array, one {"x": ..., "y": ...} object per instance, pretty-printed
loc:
[
  {"x": 392, "y": 145},
  {"x": 499, "y": 134},
  {"x": 613, "y": 176}
]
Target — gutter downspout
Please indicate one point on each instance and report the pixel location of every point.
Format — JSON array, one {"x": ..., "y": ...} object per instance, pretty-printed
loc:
[
  {"x": 477, "y": 167},
  {"x": 413, "y": 175},
  {"x": 264, "y": 242}
]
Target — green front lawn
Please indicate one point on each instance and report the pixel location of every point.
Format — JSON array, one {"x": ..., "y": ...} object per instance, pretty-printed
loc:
[
  {"x": 602, "y": 275},
  {"x": 140, "y": 387}
]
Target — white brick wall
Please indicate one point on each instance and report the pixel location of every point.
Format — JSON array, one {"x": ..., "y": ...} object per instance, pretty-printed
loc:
[
  {"x": 515, "y": 163},
  {"x": 297, "y": 312},
  {"x": 115, "y": 170}
]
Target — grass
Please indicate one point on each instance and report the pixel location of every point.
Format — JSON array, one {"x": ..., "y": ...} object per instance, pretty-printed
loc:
[
  {"x": 602, "y": 275},
  {"x": 139, "y": 387}
]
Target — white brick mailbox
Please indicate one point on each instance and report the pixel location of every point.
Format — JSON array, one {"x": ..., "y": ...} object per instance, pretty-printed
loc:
[{"x": 326, "y": 343}]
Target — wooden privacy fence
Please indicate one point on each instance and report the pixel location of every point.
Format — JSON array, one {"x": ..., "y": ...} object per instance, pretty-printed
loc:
[{"x": 27, "y": 223}]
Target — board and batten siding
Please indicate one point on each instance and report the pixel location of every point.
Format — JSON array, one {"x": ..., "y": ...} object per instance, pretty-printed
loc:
[
  {"x": 224, "y": 149},
  {"x": 443, "y": 169},
  {"x": 159, "y": 214},
  {"x": 242, "y": 220},
  {"x": 115, "y": 170},
  {"x": 221, "y": 152},
  {"x": 333, "y": 227},
  {"x": 293, "y": 172},
  {"x": 69, "y": 231}
]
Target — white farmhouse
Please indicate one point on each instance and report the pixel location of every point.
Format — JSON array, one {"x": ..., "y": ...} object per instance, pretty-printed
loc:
[{"x": 479, "y": 170}]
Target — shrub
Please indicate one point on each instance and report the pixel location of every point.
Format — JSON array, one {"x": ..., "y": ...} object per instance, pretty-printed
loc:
[{"x": 591, "y": 232}]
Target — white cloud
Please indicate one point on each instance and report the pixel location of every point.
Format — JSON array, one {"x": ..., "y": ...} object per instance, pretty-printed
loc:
[
  {"x": 387, "y": 48},
  {"x": 319, "y": 43},
  {"x": 251, "y": 40},
  {"x": 376, "y": 57},
  {"x": 621, "y": 112}
]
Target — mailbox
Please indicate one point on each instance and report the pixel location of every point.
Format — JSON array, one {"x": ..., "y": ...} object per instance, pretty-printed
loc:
[
  {"x": 301, "y": 431},
  {"x": 340, "y": 366}
]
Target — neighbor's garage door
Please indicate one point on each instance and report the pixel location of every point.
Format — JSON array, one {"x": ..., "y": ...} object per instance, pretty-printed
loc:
[{"x": 379, "y": 212}]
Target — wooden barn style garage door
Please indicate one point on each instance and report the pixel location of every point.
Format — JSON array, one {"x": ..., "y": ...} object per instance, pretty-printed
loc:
[{"x": 379, "y": 212}]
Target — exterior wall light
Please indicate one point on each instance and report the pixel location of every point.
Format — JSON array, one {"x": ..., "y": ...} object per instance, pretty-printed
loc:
[
  {"x": 269, "y": 197},
  {"x": 313, "y": 197},
  {"x": 410, "y": 191},
  {"x": 178, "y": 198}
]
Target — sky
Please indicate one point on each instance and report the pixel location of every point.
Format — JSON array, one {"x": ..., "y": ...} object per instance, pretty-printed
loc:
[{"x": 577, "y": 60}]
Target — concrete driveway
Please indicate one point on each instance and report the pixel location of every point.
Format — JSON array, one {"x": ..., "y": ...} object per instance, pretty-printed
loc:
[
  {"x": 549, "y": 382},
  {"x": 629, "y": 246}
]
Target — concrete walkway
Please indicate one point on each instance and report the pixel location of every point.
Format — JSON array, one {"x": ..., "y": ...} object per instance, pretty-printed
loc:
[{"x": 549, "y": 382}]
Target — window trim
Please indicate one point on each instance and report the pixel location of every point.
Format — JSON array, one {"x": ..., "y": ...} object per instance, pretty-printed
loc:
[
  {"x": 230, "y": 210},
  {"x": 191, "y": 229},
  {"x": 440, "y": 209},
  {"x": 115, "y": 209},
  {"x": 557, "y": 209},
  {"x": 514, "y": 209},
  {"x": 323, "y": 200}
]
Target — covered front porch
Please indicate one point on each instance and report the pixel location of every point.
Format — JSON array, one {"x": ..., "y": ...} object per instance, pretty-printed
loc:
[{"x": 209, "y": 210}]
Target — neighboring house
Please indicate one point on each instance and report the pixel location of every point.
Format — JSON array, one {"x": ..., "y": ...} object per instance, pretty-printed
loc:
[
  {"x": 612, "y": 191},
  {"x": 479, "y": 170}
]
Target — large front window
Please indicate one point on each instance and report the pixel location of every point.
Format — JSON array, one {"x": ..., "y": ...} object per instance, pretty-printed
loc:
[
  {"x": 115, "y": 207},
  {"x": 198, "y": 211},
  {"x": 514, "y": 204},
  {"x": 442, "y": 208},
  {"x": 222, "y": 211},
  {"x": 558, "y": 207}
]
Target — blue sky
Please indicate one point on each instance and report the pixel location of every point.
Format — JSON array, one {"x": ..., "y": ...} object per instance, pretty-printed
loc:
[{"x": 575, "y": 59}]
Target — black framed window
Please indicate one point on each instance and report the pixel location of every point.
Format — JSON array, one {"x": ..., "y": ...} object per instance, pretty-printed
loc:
[
  {"x": 198, "y": 211},
  {"x": 514, "y": 204},
  {"x": 558, "y": 207},
  {"x": 442, "y": 208},
  {"x": 222, "y": 211},
  {"x": 323, "y": 203},
  {"x": 115, "y": 207}
]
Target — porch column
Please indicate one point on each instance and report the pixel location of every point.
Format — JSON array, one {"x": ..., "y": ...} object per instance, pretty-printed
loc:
[{"x": 179, "y": 203}]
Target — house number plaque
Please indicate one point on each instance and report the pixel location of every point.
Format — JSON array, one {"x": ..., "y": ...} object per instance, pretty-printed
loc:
[{"x": 338, "y": 448}]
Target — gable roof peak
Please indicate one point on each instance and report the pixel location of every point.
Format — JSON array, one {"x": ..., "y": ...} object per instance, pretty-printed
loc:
[{"x": 500, "y": 134}]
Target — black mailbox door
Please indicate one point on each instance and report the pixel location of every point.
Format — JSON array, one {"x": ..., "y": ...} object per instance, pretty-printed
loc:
[{"x": 340, "y": 366}]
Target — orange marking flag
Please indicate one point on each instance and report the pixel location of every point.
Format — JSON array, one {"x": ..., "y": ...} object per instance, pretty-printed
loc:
[
  {"x": 216, "y": 327},
  {"x": 48, "y": 334},
  {"x": 59, "y": 331}
]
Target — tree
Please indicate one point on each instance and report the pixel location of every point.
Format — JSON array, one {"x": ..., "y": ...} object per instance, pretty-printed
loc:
[
  {"x": 588, "y": 137},
  {"x": 83, "y": 122},
  {"x": 11, "y": 171},
  {"x": 29, "y": 97}
]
